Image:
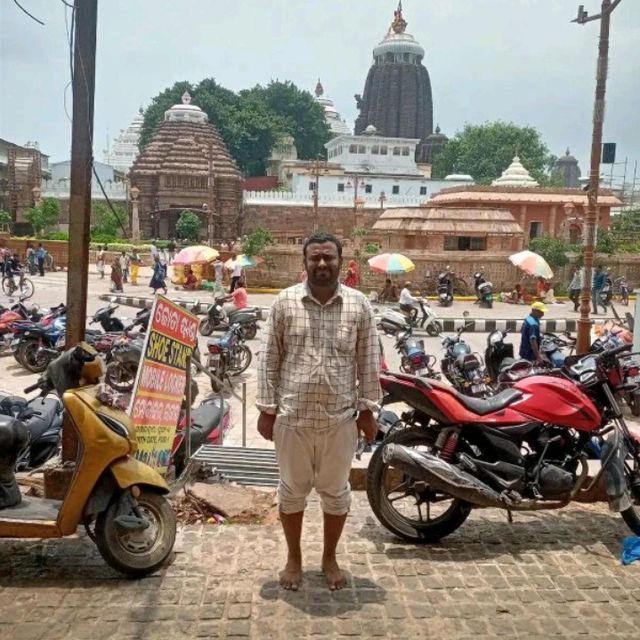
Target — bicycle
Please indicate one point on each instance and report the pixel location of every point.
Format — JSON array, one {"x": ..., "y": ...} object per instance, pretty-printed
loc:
[{"x": 25, "y": 286}]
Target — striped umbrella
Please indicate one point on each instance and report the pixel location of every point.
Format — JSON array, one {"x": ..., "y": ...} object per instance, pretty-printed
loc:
[
  {"x": 245, "y": 261},
  {"x": 391, "y": 263},
  {"x": 532, "y": 264},
  {"x": 196, "y": 254}
]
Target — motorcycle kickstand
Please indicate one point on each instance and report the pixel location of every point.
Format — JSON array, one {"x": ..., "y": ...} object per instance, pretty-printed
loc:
[{"x": 509, "y": 516}]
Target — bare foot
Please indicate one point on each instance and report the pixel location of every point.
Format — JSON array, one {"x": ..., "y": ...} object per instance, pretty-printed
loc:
[
  {"x": 291, "y": 576},
  {"x": 333, "y": 574}
]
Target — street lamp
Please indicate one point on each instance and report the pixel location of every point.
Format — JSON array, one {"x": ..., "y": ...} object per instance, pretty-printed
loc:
[
  {"x": 357, "y": 182},
  {"x": 134, "y": 192},
  {"x": 584, "y": 323}
]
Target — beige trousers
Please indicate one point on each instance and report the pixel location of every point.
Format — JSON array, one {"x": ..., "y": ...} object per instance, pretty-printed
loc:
[{"x": 312, "y": 458}]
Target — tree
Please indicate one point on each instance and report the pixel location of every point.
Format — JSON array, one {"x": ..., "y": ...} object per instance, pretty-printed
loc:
[
  {"x": 256, "y": 243},
  {"x": 5, "y": 220},
  {"x": 250, "y": 122},
  {"x": 43, "y": 216},
  {"x": 188, "y": 225},
  {"x": 553, "y": 250},
  {"x": 606, "y": 242},
  {"x": 109, "y": 222},
  {"x": 485, "y": 151}
]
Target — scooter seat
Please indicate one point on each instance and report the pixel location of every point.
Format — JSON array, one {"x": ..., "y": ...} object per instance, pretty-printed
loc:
[
  {"x": 482, "y": 407},
  {"x": 44, "y": 414}
]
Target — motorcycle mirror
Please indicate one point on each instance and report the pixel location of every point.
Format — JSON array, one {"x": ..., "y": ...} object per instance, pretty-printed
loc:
[
  {"x": 113, "y": 299},
  {"x": 465, "y": 314}
]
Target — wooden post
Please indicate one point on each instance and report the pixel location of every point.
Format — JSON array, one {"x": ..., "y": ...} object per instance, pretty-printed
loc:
[{"x": 83, "y": 83}]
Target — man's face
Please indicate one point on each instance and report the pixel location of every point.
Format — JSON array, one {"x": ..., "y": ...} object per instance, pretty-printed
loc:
[
  {"x": 322, "y": 264},
  {"x": 536, "y": 313}
]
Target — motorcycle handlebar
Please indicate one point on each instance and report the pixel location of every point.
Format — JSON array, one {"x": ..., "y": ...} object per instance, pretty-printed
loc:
[
  {"x": 32, "y": 387},
  {"x": 616, "y": 350}
]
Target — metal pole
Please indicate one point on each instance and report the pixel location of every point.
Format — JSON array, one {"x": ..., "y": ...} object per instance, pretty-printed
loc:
[
  {"x": 316, "y": 174},
  {"x": 244, "y": 414},
  {"x": 83, "y": 84},
  {"x": 210, "y": 233},
  {"x": 187, "y": 413},
  {"x": 584, "y": 323}
]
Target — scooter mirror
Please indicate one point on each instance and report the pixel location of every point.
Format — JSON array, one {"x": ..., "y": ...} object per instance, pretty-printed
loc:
[{"x": 465, "y": 314}]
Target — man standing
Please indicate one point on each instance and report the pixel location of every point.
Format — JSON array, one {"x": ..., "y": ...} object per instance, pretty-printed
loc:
[
  {"x": 575, "y": 287},
  {"x": 155, "y": 253},
  {"x": 319, "y": 366},
  {"x": 236, "y": 273},
  {"x": 407, "y": 301},
  {"x": 599, "y": 278},
  {"x": 530, "y": 342},
  {"x": 41, "y": 254},
  {"x": 171, "y": 248}
]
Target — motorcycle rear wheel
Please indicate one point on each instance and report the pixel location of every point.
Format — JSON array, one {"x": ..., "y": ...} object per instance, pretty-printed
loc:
[
  {"x": 412, "y": 530},
  {"x": 243, "y": 360},
  {"x": 137, "y": 554},
  {"x": 206, "y": 327}
]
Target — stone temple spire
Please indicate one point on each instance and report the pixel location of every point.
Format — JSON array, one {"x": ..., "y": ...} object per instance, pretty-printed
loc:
[{"x": 397, "y": 97}]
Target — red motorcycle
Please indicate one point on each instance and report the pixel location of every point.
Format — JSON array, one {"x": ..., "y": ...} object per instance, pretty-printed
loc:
[{"x": 524, "y": 449}]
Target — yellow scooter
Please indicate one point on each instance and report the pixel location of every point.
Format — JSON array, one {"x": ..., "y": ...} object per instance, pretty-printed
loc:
[{"x": 120, "y": 501}]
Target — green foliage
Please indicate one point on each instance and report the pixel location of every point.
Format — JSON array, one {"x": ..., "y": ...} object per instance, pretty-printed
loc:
[
  {"x": 371, "y": 248},
  {"x": 103, "y": 238},
  {"x": 252, "y": 121},
  {"x": 108, "y": 223},
  {"x": 606, "y": 242},
  {"x": 256, "y": 243},
  {"x": 485, "y": 151},
  {"x": 188, "y": 225},
  {"x": 121, "y": 246},
  {"x": 5, "y": 219},
  {"x": 45, "y": 215},
  {"x": 56, "y": 235},
  {"x": 553, "y": 250}
]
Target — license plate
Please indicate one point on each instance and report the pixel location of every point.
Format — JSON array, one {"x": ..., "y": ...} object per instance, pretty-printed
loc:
[
  {"x": 213, "y": 360},
  {"x": 14, "y": 345},
  {"x": 634, "y": 379},
  {"x": 60, "y": 342},
  {"x": 422, "y": 372},
  {"x": 478, "y": 388}
]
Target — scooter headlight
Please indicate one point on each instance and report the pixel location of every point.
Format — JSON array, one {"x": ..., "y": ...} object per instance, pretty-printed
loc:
[{"x": 495, "y": 338}]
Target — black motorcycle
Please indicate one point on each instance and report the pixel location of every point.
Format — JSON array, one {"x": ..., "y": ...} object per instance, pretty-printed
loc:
[
  {"x": 218, "y": 320},
  {"x": 464, "y": 370},
  {"x": 413, "y": 358},
  {"x": 104, "y": 317},
  {"x": 484, "y": 291},
  {"x": 228, "y": 355}
]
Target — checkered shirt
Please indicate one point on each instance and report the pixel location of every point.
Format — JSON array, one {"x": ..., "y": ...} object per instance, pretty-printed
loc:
[{"x": 319, "y": 363}]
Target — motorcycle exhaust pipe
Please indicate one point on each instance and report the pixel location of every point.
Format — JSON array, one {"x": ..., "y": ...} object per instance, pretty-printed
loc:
[{"x": 442, "y": 476}]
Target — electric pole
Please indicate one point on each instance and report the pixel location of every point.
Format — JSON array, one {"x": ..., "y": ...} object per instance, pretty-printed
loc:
[
  {"x": 83, "y": 84},
  {"x": 584, "y": 323}
]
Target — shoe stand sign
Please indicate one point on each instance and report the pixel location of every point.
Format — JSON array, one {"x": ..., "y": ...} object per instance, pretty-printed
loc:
[{"x": 160, "y": 383}]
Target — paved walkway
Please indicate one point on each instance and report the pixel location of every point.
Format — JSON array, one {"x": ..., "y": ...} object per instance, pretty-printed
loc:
[{"x": 554, "y": 574}]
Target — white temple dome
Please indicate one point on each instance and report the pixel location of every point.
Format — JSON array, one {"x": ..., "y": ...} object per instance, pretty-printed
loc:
[
  {"x": 337, "y": 125},
  {"x": 515, "y": 175},
  {"x": 185, "y": 112}
]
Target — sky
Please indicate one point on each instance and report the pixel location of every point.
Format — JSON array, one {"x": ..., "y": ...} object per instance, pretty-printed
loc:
[{"x": 516, "y": 60}]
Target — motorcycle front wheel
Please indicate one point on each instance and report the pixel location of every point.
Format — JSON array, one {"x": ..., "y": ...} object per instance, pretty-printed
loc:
[
  {"x": 633, "y": 400},
  {"x": 408, "y": 508},
  {"x": 119, "y": 377},
  {"x": 241, "y": 360},
  {"x": 32, "y": 358},
  {"x": 137, "y": 553}
]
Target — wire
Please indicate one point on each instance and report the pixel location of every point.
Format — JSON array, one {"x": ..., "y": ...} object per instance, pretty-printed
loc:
[
  {"x": 29, "y": 14},
  {"x": 106, "y": 197},
  {"x": 67, "y": 4}
]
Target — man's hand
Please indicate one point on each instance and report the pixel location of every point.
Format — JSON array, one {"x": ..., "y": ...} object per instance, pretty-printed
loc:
[
  {"x": 368, "y": 425},
  {"x": 265, "y": 425}
]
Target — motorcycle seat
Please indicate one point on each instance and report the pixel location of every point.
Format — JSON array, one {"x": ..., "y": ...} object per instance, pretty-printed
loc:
[
  {"x": 206, "y": 417},
  {"x": 482, "y": 406}
]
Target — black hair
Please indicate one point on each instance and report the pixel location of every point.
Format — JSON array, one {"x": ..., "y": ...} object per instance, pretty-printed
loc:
[{"x": 318, "y": 237}]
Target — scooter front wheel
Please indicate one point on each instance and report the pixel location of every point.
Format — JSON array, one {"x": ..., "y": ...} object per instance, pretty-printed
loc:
[
  {"x": 206, "y": 327},
  {"x": 137, "y": 553}
]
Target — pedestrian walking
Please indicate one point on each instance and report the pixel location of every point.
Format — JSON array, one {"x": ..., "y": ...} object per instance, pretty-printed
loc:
[
  {"x": 135, "y": 266},
  {"x": 159, "y": 274},
  {"x": 124, "y": 264},
  {"x": 31, "y": 260},
  {"x": 319, "y": 366},
  {"x": 154, "y": 250},
  {"x": 116, "y": 275},
  {"x": 100, "y": 261},
  {"x": 353, "y": 277},
  {"x": 530, "y": 334},
  {"x": 597, "y": 283},
  {"x": 236, "y": 273},
  {"x": 41, "y": 254},
  {"x": 575, "y": 287}
]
